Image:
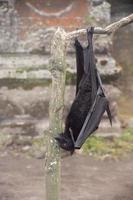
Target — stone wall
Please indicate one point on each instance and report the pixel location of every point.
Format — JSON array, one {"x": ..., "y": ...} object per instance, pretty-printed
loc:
[
  {"x": 123, "y": 53},
  {"x": 26, "y": 23},
  {"x": 123, "y": 39},
  {"x": 26, "y": 29}
]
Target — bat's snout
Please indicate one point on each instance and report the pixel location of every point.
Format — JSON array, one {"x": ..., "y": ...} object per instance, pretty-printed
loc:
[{"x": 64, "y": 142}]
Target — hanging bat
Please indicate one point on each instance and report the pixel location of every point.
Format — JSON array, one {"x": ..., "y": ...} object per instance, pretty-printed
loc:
[{"x": 90, "y": 101}]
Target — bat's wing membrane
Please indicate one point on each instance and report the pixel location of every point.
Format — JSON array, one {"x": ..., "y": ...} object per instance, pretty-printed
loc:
[
  {"x": 107, "y": 109},
  {"x": 79, "y": 62},
  {"x": 99, "y": 101},
  {"x": 93, "y": 118}
]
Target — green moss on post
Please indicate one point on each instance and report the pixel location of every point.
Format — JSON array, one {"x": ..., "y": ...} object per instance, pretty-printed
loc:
[{"x": 58, "y": 71}]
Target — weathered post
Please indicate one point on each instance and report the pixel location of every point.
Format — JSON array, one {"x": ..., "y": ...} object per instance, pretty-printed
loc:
[{"x": 58, "y": 71}]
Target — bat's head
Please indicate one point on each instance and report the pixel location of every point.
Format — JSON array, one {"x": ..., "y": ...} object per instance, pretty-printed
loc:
[{"x": 65, "y": 142}]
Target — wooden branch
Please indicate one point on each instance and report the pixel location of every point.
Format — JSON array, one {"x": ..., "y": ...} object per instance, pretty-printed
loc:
[
  {"x": 112, "y": 28},
  {"x": 58, "y": 71}
]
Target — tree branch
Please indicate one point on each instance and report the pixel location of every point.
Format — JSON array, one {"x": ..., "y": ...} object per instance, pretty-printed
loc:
[
  {"x": 112, "y": 28},
  {"x": 58, "y": 72}
]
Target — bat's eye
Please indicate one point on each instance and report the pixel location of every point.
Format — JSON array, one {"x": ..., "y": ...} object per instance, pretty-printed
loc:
[{"x": 64, "y": 144}]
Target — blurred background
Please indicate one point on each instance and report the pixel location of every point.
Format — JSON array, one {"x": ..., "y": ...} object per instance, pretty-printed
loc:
[{"x": 26, "y": 29}]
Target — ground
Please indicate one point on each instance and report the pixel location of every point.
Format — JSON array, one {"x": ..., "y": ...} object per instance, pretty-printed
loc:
[{"x": 83, "y": 178}]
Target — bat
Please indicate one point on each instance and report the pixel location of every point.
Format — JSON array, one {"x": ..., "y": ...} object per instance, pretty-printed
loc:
[{"x": 90, "y": 101}]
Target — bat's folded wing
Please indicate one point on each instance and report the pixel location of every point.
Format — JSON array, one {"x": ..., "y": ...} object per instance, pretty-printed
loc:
[{"x": 92, "y": 120}]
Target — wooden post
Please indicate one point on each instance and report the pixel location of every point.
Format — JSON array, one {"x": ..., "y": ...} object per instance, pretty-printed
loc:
[{"x": 58, "y": 71}]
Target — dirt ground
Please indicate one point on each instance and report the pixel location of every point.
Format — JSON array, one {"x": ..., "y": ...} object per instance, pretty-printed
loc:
[{"x": 83, "y": 178}]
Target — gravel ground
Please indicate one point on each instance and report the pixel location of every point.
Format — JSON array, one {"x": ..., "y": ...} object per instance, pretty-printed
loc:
[{"x": 83, "y": 178}]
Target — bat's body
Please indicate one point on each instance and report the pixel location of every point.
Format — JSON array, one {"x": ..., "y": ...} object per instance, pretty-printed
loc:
[{"x": 90, "y": 102}]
